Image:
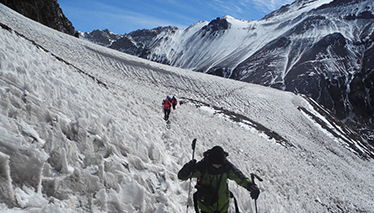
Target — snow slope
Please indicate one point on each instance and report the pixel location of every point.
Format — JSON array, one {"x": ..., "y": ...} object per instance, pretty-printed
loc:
[{"x": 82, "y": 131}]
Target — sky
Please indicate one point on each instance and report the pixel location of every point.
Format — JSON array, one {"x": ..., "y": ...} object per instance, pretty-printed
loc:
[
  {"x": 126, "y": 16},
  {"x": 82, "y": 130}
]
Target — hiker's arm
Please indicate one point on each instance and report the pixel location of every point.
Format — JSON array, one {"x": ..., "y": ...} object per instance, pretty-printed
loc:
[
  {"x": 188, "y": 170},
  {"x": 236, "y": 175}
]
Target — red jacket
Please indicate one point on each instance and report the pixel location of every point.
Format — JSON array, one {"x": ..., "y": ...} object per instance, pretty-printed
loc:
[
  {"x": 174, "y": 101},
  {"x": 166, "y": 103}
]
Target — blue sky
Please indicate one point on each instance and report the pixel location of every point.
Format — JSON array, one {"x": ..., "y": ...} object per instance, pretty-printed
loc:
[{"x": 124, "y": 16}]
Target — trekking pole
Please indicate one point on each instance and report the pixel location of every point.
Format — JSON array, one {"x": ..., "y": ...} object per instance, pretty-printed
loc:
[
  {"x": 253, "y": 176},
  {"x": 193, "y": 157}
]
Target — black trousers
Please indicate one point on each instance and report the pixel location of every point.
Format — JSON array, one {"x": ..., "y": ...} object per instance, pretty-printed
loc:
[{"x": 167, "y": 113}]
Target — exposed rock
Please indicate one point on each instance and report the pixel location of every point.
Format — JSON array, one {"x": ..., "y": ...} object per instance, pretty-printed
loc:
[{"x": 47, "y": 12}]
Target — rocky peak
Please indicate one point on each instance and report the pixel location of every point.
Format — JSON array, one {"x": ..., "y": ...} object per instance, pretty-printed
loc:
[
  {"x": 217, "y": 24},
  {"x": 102, "y": 37},
  {"x": 146, "y": 33}
]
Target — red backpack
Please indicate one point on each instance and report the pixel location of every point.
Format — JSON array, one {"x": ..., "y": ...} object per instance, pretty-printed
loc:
[{"x": 166, "y": 104}]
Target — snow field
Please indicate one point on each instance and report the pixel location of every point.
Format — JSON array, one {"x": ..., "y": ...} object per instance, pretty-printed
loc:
[{"x": 69, "y": 144}]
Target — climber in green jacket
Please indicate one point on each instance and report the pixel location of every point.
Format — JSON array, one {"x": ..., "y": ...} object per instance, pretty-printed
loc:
[{"x": 212, "y": 172}]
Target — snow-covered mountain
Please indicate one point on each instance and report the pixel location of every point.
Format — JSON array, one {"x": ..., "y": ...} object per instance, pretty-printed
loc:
[
  {"x": 321, "y": 48},
  {"x": 82, "y": 130}
]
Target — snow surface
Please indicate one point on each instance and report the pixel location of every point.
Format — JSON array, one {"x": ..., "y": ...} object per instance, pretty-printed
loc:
[{"x": 82, "y": 131}]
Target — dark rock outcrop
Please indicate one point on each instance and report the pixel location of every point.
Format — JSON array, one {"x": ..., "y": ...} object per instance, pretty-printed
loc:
[{"x": 47, "y": 12}]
